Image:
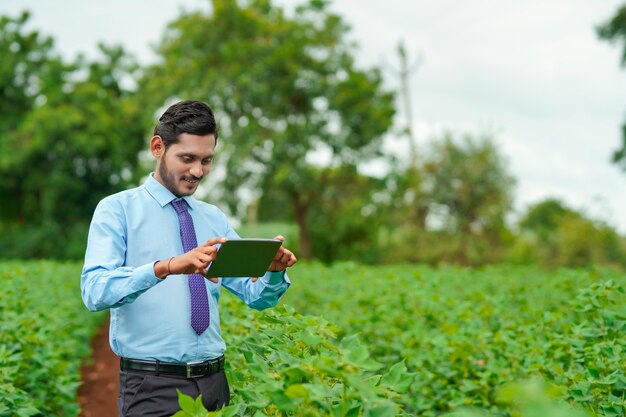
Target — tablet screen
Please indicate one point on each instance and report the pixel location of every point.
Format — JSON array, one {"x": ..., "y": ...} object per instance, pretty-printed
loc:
[{"x": 244, "y": 258}]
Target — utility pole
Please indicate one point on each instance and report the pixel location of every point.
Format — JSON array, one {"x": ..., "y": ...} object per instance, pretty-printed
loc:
[
  {"x": 405, "y": 72},
  {"x": 418, "y": 207}
]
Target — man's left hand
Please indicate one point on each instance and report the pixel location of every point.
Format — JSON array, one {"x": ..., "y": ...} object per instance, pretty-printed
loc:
[{"x": 284, "y": 259}]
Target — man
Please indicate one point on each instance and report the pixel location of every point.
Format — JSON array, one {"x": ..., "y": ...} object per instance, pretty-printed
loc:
[{"x": 143, "y": 262}]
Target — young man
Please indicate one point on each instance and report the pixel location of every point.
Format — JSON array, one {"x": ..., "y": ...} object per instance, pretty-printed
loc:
[{"x": 143, "y": 262}]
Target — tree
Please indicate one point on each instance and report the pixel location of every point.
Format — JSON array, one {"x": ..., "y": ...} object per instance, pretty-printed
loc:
[
  {"x": 614, "y": 30},
  {"x": 75, "y": 141},
  {"x": 468, "y": 185},
  {"x": 29, "y": 72},
  {"x": 451, "y": 207},
  {"x": 543, "y": 218},
  {"x": 347, "y": 219},
  {"x": 554, "y": 234},
  {"x": 27, "y": 60},
  {"x": 283, "y": 87}
]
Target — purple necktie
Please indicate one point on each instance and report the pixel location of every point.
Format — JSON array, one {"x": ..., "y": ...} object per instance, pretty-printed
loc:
[{"x": 197, "y": 288}]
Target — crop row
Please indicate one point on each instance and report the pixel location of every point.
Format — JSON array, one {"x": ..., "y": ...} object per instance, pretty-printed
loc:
[
  {"x": 44, "y": 335},
  {"x": 466, "y": 333}
]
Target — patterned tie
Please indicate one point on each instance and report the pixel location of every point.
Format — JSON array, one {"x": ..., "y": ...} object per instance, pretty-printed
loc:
[{"x": 197, "y": 288}]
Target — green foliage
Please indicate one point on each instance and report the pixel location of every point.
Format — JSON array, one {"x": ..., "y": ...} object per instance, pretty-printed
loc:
[
  {"x": 469, "y": 185},
  {"x": 287, "y": 364},
  {"x": 451, "y": 206},
  {"x": 47, "y": 240},
  {"x": 70, "y": 136},
  {"x": 26, "y": 68},
  {"x": 553, "y": 234},
  {"x": 269, "y": 230},
  {"x": 403, "y": 340},
  {"x": 542, "y": 218},
  {"x": 532, "y": 398},
  {"x": 346, "y": 221},
  {"x": 44, "y": 334},
  {"x": 84, "y": 143},
  {"x": 465, "y": 333}
]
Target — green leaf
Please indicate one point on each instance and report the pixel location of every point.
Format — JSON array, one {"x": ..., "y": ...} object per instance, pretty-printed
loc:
[
  {"x": 397, "y": 379},
  {"x": 386, "y": 410},
  {"x": 593, "y": 372},
  {"x": 357, "y": 354},
  {"x": 187, "y": 403},
  {"x": 297, "y": 391},
  {"x": 229, "y": 411},
  {"x": 200, "y": 409},
  {"x": 282, "y": 401}
]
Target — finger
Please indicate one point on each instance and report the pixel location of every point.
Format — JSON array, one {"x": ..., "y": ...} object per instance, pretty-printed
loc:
[
  {"x": 279, "y": 254},
  {"x": 285, "y": 257},
  {"x": 280, "y": 237},
  {"x": 214, "y": 241},
  {"x": 292, "y": 260},
  {"x": 214, "y": 280},
  {"x": 204, "y": 260},
  {"x": 200, "y": 265},
  {"x": 254, "y": 279},
  {"x": 208, "y": 251}
]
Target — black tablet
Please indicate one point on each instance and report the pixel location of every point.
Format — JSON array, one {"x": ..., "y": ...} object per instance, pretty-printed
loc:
[{"x": 243, "y": 258}]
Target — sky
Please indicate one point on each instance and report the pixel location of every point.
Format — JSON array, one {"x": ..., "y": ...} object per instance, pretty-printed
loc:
[{"x": 533, "y": 73}]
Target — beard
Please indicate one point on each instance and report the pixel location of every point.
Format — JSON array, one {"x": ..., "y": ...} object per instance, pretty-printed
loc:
[{"x": 170, "y": 181}]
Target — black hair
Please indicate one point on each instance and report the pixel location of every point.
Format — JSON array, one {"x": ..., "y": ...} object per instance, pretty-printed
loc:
[{"x": 188, "y": 116}]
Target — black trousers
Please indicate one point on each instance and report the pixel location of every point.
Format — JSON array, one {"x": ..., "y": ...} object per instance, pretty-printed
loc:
[{"x": 143, "y": 394}]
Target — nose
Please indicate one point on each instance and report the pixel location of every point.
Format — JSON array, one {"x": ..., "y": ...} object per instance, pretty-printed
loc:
[{"x": 196, "y": 170}]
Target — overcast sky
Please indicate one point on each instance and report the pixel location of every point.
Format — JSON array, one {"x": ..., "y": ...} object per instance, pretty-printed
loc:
[{"x": 532, "y": 71}]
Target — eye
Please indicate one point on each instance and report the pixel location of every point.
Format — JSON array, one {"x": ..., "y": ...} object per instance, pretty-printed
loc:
[
  {"x": 207, "y": 161},
  {"x": 187, "y": 159}
]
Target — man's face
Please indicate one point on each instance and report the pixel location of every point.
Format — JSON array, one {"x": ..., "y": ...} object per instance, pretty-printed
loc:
[{"x": 181, "y": 167}]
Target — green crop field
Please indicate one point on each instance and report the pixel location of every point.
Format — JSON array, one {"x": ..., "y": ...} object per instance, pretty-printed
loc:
[
  {"x": 44, "y": 333},
  {"x": 465, "y": 333},
  {"x": 352, "y": 340}
]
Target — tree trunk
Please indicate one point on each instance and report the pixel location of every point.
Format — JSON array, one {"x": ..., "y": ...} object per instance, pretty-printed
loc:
[{"x": 304, "y": 243}]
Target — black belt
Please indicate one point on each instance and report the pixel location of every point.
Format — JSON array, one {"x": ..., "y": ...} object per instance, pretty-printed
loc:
[{"x": 187, "y": 370}]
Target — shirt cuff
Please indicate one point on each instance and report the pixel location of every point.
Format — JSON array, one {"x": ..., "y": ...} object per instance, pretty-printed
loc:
[
  {"x": 145, "y": 276},
  {"x": 276, "y": 278}
]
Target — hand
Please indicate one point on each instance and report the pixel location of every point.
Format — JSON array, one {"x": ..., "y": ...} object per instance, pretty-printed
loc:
[
  {"x": 284, "y": 258},
  {"x": 196, "y": 260}
]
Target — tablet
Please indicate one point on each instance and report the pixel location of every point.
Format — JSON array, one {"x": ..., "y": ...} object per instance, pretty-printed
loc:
[{"x": 244, "y": 258}]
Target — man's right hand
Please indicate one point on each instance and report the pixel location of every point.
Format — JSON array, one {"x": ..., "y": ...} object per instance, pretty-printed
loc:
[{"x": 195, "y": 261}]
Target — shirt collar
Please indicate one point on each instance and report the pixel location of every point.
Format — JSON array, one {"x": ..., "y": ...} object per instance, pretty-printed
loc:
[{"x": 162, "y": 195}]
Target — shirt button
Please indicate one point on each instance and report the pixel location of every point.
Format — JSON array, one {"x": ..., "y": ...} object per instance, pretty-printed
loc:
[{"x": 147, "y": 283}]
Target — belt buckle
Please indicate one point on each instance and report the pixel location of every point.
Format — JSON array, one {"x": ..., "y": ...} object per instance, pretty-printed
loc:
[{"x": 189, "y": 367}]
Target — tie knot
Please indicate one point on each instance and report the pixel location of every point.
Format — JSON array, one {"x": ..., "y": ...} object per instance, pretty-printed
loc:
[{"x": 180, "y": 206}]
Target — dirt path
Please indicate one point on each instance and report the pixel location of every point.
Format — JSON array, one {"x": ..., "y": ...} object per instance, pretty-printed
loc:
[{"x": 100, "y": 377}]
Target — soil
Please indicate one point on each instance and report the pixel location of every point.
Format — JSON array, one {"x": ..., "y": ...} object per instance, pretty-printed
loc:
[{"x": 98, "y": 392}]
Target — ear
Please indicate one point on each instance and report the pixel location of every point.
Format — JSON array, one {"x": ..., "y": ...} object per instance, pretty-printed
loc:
[{"x": 157, "y": 147}]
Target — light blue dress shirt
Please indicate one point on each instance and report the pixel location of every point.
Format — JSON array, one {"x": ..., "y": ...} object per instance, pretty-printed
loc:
[{"x": 151, "y": 317}]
